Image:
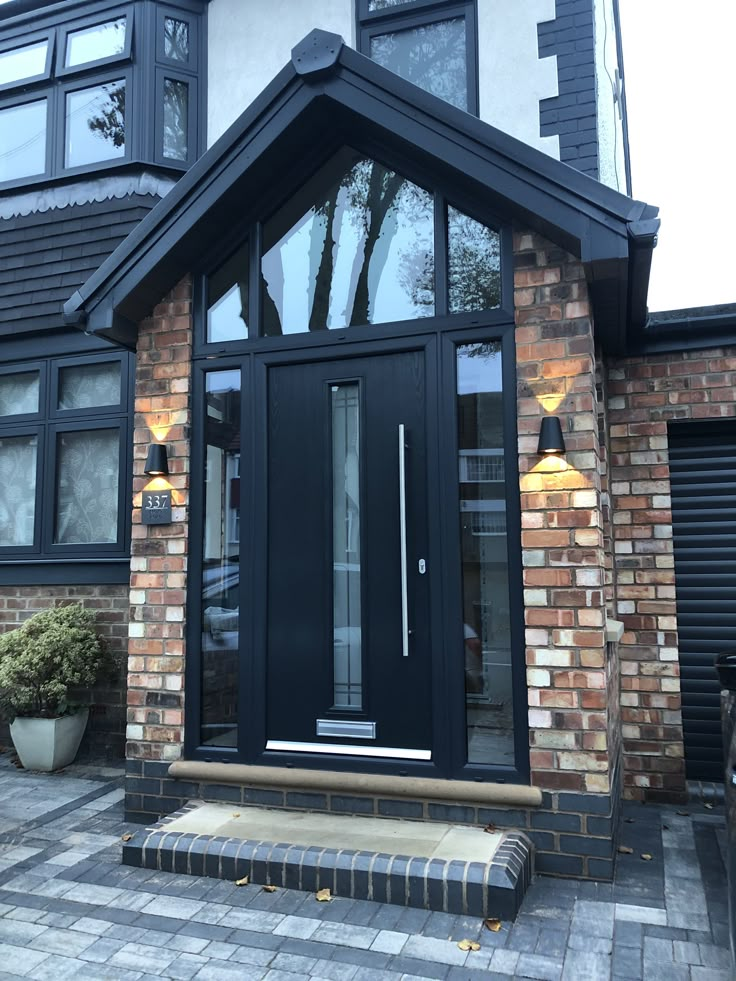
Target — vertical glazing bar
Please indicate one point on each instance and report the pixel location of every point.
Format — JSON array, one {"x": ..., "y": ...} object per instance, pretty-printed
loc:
[{"x": 402, "y": 537}]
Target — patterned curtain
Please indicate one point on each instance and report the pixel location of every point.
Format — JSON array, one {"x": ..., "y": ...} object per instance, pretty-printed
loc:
[
  {"x": 17, "y": 489},
  {"x": 87, "y": 386},
  {"x": 88, "y": 472},
  {"x": 19, "y": 393}
]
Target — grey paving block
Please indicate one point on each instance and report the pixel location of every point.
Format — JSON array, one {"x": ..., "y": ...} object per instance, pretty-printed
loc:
[
  {"x": 186, "y": 966},
  {"x": 437, "y": 951},
  {"x": 538, "y": 966},
  {"x": 716, "y": 957},
  {"x": 627, "y": 963},
  {"x": 390, "y": 942},
  {"x": 65, "y": 942},
  {"x": 251, "y": 919},
  {"x": 299, "y": 927},
  {"x": 505, "y": 961},
  {"x": 139, "y": 957},
  {"x": 345, "y": 935},
  {"x": 101, "y": 950},
  {"x": 225, "y": 971},
  {"x": 295, "y": 963}
]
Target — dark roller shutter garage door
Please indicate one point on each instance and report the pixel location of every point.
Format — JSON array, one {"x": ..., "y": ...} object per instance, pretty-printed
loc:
[{"x": 703, "y": 474}]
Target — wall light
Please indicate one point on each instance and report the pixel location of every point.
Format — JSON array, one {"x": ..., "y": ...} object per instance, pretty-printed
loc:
[
  {"x": 551, "y": 440},
  {"x": 157, "y": 461}
]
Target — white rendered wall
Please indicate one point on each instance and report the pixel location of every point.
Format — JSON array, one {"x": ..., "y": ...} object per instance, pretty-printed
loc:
[
  {"x": 250, "y": 41},
  {"x": 610, "y": 126},
  {"x": 511, "y": 76}
]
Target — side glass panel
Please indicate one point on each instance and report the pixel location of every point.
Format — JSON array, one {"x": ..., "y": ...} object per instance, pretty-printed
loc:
[
  {"x": 23, "y": 140},
  {"x": 88, "y": 386},
  {"x": 94, "y": 43},
  {"x": 346, "y": 546},
  {"x": 19, "y": 393},
  {"x": 220, "y": 565},
  {"x": 486, "y": 629},
  {"x": 25, "y": 62},
  {"x": 433, "y": 56},
  {"x": 474, "y": 264},
  {"x": 176, "y": 119},
  {"x": 176, "y": 39},
  {"x": 87, "y": 480},
  {"x": 227, "y": 298},
  {"x": 17, "y": 489},
  {"x": 354, "y": 247},
  {"x": 95, "y": 124}
]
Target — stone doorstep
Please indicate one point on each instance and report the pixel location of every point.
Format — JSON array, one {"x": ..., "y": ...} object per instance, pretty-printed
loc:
[{"x": 444, "y": 867}]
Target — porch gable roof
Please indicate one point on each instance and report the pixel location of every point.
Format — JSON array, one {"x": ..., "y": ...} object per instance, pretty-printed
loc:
[{"x": 330, "y": 95}]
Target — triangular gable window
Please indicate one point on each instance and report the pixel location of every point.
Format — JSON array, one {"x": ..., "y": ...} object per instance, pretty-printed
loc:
[{"x": 356, "y": 245}]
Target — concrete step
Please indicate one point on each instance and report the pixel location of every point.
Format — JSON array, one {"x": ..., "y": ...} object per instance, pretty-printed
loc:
[{"x": 446, "y": 867}]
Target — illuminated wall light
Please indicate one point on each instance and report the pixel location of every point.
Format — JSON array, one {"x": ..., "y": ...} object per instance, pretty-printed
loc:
[
  {"x": 157, "y": 461},
  {"x": 551, "y": 440}
]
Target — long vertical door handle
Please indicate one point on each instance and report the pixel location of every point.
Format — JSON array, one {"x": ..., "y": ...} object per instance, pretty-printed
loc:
[{"x": 402, "y": 537}]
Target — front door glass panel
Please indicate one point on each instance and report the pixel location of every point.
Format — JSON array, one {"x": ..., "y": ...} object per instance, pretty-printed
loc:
[
  {"x": 355, "y": 246},
  {"x": 220, "y": 568},
  {"x": 486, "y": 626},
  {"x": 346, "y": 546}
]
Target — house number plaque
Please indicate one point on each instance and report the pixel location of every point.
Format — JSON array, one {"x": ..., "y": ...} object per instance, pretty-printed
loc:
[{"x": 156, "y": 507}]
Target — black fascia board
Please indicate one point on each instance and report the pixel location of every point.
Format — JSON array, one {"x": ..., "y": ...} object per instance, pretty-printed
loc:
[
  {"x": 344, "y": 99},
  {"x": 687, "y": 330}
]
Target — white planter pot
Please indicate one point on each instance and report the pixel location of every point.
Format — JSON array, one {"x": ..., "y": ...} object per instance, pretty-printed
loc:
[{"x": 48, "y": 744}]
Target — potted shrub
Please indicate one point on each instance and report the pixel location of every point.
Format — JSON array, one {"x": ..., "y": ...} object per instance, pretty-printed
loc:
[{"x": 40, "y": 662}]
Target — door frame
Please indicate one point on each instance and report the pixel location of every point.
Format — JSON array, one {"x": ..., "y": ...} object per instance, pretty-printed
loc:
[{"x": 448, "y": 695}]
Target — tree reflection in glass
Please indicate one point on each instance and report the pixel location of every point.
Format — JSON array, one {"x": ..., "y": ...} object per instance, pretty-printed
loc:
[
  {"x": 354, "y": 247},
  {"x": 176, "y": 119},
  {"x": 176, "y": 39},
  {"x": 433, "y": 56},
  {"x": 474, "y": 264},
  {"x": 95, "y": 124}
]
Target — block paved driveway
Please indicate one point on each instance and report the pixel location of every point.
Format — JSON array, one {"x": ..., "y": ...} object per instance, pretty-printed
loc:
[{"x": 68, "y": 909}]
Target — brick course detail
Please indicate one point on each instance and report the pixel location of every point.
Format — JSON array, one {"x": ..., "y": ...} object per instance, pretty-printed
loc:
[{"x": 159, "y": 552}]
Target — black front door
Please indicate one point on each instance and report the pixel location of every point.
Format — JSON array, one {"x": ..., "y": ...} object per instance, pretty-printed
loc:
[{"x": 348, "y": 666}]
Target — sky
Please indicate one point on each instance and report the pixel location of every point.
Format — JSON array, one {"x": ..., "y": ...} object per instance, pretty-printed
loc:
[{"x": 680, "y": 77}]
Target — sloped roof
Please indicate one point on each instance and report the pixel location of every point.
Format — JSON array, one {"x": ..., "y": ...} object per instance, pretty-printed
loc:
[{"x": 328, "y": 96}]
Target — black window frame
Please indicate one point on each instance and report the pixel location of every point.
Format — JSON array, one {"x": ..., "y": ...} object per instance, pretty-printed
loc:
[
  {"x": 28, "y": 41},
  {"x": 79, "y": 85},
  {"x": 96, "y": 561},
  {"x": 424, "y": 13},
  {"x": 87, "y": 23},
  {"x": 139, "y": 64}
]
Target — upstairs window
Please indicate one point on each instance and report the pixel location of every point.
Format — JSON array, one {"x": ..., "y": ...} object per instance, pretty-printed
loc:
[
  {"x": 428, "y": 42},
  {"x": 76, "y": 96}
]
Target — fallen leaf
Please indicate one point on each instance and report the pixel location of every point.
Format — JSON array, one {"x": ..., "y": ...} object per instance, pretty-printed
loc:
[
  {"x": 493, "y": 925},
  {"x": 236, "y": 814},
  {"x": 243, "y": 882},
  {"x": 709, "y": 806},
  {"x": 683, "y": 814},
  {"x": 625, "y": 850},
  {"x": 269, "y": 888},
  {"x": 469, "y": 945},
  {"x": 490, "y": 828},
  {"x": 126, "y": 837},
  {"x": 323, "y": 896},
  {"x": 646, "y": 856}
]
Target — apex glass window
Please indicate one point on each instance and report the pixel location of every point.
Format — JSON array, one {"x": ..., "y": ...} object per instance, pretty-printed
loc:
[{"x": 431, "y": 43}]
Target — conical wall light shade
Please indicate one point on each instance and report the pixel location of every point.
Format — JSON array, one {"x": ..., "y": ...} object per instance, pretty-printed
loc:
[
  {"x": 551, "y": 439},
  {"x": 157, "y": 461}
]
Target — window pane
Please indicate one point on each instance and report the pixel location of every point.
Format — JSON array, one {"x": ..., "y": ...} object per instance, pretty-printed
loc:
[
  {"x": 474, "y": 259},
  {"x": 17, "y": 489},
  {"x": 176, "y": 39},
  {"x": 383, "y": 4},
  {"x": 227, "y": 298},
  {"x": 433, "y": 56},
  {"x": 87, "y": 478},
  {"x": 23, "y": 62},
  {"x": 220, "y": 561},
  {"x": 23, "y": 140},
  {"x": 19, "y": 393},
  {"x": 356, "y": 246},
  {"x": 93, "y": 43},
  {"x": 486, "y": 629},
  {"x": 89, "y": 385},
  {"x": 95, "y": 124},
  {"x": 348, "y": 686},
  {"x": 176, "y": 119}
]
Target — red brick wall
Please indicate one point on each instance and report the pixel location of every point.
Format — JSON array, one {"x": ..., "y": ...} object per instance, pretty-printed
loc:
[
  {"x": 569, "y": 667},
  {"x": 644, "y": 395},
  {"x": 159, "y": 552},
  {"x": 106, "y": 729}
]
